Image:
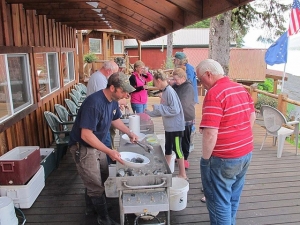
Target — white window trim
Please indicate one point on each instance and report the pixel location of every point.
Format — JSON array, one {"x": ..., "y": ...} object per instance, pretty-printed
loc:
[
  {"x": 122, "y": 47},
  {"x": 17, "y": 110},
  {"x": 99, "y": 45}
]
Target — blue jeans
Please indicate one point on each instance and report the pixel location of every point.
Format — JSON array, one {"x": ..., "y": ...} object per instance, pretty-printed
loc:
[
  {"x": 223, "y": 181},
  {"x": 138, "y": 108}
]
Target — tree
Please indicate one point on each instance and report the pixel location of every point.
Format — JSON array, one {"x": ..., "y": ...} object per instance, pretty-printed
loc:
[
  {"x": 169, "y": 62},
  {"x": 219, "y": 39},
  {"x": 234, "y": 24}
]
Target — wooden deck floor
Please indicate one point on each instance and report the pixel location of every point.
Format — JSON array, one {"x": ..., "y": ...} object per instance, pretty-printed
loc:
[{"x": 271, "y": 194}]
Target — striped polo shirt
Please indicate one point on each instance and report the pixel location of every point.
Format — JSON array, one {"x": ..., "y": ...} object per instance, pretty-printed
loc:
[{"x": 227, "y": 107}]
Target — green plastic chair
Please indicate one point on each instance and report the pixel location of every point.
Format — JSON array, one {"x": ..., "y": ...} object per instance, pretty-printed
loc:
[
  {"x": 64, "y": 116},
  {"x": 75, "y": 100},
  {"x": 79, "y": 96},
  {"x": 73, "y": 108},
  {"x": 60, "y": 132},
  {"x": 83, "y": 88},
  {"x": 79, "y": 89}
]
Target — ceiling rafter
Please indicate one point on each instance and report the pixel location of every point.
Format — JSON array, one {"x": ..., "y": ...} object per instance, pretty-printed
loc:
[
  {"x": 141, "y": 19},
  {"x": 167, "y": 9},
  {"x": 60, "y": 5},
  {"x": 147, "y": 13},
  {"x": 127, "y": 13}
]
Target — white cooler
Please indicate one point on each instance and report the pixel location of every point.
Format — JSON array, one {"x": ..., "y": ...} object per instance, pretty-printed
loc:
[{"x": 23, "y": 196}]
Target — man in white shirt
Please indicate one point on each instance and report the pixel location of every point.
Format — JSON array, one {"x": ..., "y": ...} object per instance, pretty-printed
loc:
[{"x": 98, "y": 80}]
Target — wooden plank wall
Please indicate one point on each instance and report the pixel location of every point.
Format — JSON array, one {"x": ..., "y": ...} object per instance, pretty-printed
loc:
[{"x": 21, "y": 28}]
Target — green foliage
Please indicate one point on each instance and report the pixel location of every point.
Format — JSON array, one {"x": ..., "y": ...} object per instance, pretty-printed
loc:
[
  {"x": 169, "y": 63},
  {"x": 267, "y": 85},
  {"x": 200, "y": 24},
  {"x": 265, "y": 15},
  {"x": 265, "y": 100},
  {"x": 150, "y": 83},
  {"x": 90, "y": 57}
]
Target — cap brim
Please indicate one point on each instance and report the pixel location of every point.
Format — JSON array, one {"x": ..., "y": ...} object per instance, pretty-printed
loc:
[{"x": 128, "y": 88}]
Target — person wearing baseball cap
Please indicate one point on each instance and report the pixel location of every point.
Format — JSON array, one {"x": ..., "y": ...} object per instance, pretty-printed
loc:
[
  {"x": 97, "y": 113},
  {"x": 181, "y": 61}
]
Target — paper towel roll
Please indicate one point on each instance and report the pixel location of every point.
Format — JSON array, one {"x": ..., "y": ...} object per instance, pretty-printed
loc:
[{"x": 134, "y": 123}]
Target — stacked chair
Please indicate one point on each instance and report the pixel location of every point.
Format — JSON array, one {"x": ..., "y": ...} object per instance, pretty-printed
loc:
[
  {"x": 73, "y": 108},
  {"x": 75, "y": 100},
  {"x": 64, "y": 116},
  {"x": 83, "y": 88},
  {"x": 78, "y": 95},
  {"x": 60, "y": 132}
]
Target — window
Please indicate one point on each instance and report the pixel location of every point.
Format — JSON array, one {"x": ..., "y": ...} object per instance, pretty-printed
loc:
[
  {"x": 118, "y": 47},
  {"x": 15, "y": 84},
  {"x": 47, "y": 70},
  {"x": 68, "y": 67},
  {"x": 95, "y": 45}
]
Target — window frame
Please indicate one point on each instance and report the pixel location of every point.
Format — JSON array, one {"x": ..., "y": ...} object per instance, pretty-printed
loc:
[
  {"x": 70, "y": 69},
  {"x": 94, "y": 49},
  {"x": 25, "y": 82},
  {"x": 122, "y": 46},
  {"x": 50, "y": 79}
]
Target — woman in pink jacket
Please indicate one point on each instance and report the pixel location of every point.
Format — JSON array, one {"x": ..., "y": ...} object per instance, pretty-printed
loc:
[{"x": 139, "y": 79}]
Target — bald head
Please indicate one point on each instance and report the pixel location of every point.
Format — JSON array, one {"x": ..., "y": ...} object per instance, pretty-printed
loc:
[
  {"x": 108, "y": 68},
  {"x": 210, "y": 65},
  {"x": 209, "y": 72}
]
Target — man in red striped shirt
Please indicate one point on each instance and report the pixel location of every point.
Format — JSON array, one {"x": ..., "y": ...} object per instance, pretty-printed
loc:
[{"x": 227, "y": 118}]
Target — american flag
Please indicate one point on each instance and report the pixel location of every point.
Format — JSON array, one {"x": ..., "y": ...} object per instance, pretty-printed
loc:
[{"x": 295, "y": 18}]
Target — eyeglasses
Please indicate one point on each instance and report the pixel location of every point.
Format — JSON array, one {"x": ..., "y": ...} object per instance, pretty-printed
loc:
[{"x": 199, "y": 77}]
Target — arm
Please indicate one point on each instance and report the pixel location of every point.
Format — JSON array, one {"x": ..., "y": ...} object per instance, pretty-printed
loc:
[
  {"x": 132, "y": 81},
  {"x": 124, "y": 129},
  {"x": 148, "y": 76},
  {"x": 89, "y": 137},
  {"x": 122, "y": 103},
  {"x": 170, "y": 108},
  {"x": 209, "y": 140},
  {"x": 252, "y": 119}
]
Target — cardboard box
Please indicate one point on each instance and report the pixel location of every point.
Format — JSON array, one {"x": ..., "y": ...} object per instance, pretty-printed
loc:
[
  {"x": 18, "y": 165},
  {"x": 48, "y": 160},
  {"x": 23, "y": 196}
]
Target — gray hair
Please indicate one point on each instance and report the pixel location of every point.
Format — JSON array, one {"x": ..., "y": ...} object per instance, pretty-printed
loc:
[
  {"x": 109, "y": 65},
  {"x": 210, "y": 65}
]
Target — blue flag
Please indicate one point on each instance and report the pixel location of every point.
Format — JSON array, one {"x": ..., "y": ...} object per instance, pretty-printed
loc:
[{"x": 277, "y": 52}]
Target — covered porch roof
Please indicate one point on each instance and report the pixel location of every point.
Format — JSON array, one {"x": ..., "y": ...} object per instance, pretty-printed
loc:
[{"x": 141, "y": 19}]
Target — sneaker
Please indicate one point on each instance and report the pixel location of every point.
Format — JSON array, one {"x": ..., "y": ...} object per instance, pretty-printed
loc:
[{"x": 186, "y": 164}]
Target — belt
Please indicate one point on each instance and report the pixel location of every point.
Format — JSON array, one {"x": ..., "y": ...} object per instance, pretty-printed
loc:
[{"x": 188, "y": 123}]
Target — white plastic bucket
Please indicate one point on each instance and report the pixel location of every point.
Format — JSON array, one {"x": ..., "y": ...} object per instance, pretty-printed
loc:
[
  {"x": 172, "y": 163},
  {"x": 178, "y": 194},
  {"x": 7, "y": 212}
]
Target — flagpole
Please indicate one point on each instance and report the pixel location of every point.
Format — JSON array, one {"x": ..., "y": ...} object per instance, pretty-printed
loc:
[
  {"x": 283, "y": 76},
  {"x": 287, "y": 56}
]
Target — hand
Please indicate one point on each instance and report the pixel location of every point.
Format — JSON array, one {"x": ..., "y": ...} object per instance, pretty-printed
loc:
[
  {"x": 133, "y": 137},
  {"x": 146, "y": 70},
  {"x": 122, "y": 107},
  {"x": 145, "y": 87},
  {"x": 115, "y": 156}
]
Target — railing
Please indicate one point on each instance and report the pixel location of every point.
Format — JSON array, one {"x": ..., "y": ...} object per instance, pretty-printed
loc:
[{"x": 282, "y": 98}]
